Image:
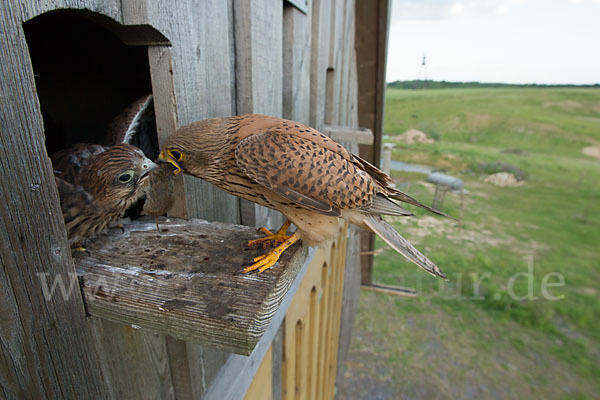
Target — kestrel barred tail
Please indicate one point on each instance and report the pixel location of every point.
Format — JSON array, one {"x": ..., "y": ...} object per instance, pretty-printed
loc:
[
  {"x": 97, "y": 184},
  {"x": 292, "y": 168}
]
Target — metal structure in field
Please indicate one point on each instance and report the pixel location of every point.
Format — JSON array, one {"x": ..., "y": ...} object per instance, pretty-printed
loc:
[{"x": 67, "y": 67}]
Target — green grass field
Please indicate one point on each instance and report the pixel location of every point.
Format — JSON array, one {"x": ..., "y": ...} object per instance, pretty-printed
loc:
[{"x": 476, "y": 336}]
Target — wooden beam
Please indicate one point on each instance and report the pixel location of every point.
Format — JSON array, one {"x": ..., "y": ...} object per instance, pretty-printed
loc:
[
  {"x": 296, "y": 65},
  {"x": 348, "y": 134},
  {"x": 48, "y": 349},
  {"x": 185, "y": 283},
  {"x": 258, "y": 33},
  {"x": 393, "y": 290},
  {"x": 372, "y": 21}
]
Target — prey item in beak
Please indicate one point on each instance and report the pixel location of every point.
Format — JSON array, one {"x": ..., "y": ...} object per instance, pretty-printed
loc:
[{"x": 164, "y": 156}]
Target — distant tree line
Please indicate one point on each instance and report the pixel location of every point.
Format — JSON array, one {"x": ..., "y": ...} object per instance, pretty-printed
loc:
[{"x": 445, "y": 84}]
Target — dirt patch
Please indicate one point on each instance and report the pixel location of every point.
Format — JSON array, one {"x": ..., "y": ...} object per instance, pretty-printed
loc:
[
  {"x": 565, "y": 105},
  {"x": 413, "y": 136},
  {"x": 469, "y": 235},
  {"x": 503, "y": 179},
  {"x": 499, "y": 166},
  {"x": 592, "y": 151},
  {"x": 427, "y": 225},
  {"x": 470, "y": 121}
]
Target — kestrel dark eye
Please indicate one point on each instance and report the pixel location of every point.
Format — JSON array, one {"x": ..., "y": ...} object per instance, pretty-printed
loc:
[
  {"x": 125, "y": 177},
  {"x": 176, "y": 155}
]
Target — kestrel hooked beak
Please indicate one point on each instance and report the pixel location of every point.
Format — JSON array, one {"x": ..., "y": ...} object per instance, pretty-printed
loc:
[{"x": 173, "y": 157}]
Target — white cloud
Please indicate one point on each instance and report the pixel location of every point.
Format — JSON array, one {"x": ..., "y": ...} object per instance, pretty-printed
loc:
[
  {"x": 444, "y": 9},
  {"x": 542, "y": 41}
]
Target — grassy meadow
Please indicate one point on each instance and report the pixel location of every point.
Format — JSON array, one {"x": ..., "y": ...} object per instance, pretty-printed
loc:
[{"x": 519, "y": 316}]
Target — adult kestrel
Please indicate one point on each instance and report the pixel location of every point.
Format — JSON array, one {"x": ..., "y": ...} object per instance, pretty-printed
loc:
[
  {"x": 293, "y": 168},
  {"x": 97, "y": 184}
]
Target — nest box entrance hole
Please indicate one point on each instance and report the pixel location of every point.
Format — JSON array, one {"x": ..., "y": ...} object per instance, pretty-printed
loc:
[{"x": 85, "y": 77}]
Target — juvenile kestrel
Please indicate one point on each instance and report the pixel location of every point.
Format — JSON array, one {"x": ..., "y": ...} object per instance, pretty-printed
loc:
[
  {"x": 292, "y": 168},
  {"x": 97, "y": 184}
]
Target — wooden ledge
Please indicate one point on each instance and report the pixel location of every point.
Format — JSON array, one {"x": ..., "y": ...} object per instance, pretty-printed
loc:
[{"x": 185, "y": 282}]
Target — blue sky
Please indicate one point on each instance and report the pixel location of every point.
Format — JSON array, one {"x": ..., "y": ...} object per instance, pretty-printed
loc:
[{"x": 512, "y": 41}]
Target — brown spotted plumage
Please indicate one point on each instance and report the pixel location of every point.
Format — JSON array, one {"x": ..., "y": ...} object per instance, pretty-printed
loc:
[
  {"x": 97, "y": 184},
  {"x": 296, "y": 170}
]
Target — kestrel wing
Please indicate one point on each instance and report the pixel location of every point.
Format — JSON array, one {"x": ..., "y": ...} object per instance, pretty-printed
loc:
[
  {"x": 69, "y": 162},
  {"x": 79, "y": 210},
  {"x": 124, "y": 126},
  {"x": 304, "y": 172}
]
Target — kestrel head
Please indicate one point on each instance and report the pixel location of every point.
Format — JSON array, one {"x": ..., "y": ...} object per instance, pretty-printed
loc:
[
  {"x": 118, "y": 176},
  {"x": 193, "y": 148}
]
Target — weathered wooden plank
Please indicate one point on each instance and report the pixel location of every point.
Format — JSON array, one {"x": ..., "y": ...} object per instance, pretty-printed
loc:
[
  {"x": 31, "y": 9},
  {"x": 277, "y": 363},
  {"x": 180, "y": 369},
  {"x": 205, "y": 363},
  {"x": 350, "y": 296},
  {"x": 371, "y": 49},
  {"x": 320, "y": 44},
  {"x": 47, "y": 348},
  {"x": 349, "y": 134},
  {"x": 204, "y": 67},
  {"x": 258, "y": 36},
  {"x": 135, "y": 362},
  {"x": 348, "y": 62},
  {"x": 236, "y": 375},
  {"x": 393, "y": 290},
  {"x": 186, "y": 283},
  {"x": 334, "y": 77},
  {"x": 203, "y": 75},
  {"x": 165, "y": 111},
  {"x": 302, "y": 5},
  {"x": 258, "y": 67},
  {"x": 296, "y": 64}
]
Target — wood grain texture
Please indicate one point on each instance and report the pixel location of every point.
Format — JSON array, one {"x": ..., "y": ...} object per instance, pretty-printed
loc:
[
  {"x": 349, "y": 134},
  {"x": 320, "y": 45},
  {"x": 296, "y": 64},
  {"x": 186, "y": 282},
  {"x": 135, "y": 362},
  {"x": 277, "y": 363},
  {"x": 259, "y": 83},
  {"x": 205, "y": 363},
  {"x": 372, "y": 20},
  {"x": 203, "y": 75},
  {"x": 46, "y": 347}
]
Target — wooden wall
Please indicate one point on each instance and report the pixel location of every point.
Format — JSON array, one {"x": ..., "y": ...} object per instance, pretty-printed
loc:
[{"x": 207, "y": 58}]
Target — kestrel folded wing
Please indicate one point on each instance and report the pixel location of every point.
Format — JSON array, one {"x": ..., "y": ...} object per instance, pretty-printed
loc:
[
  {"x": 68, "y": 163},
  {"x": 79, "y": 211},
  {"x": 129, "y": 123},
  {"x": 305, "y": 172}
]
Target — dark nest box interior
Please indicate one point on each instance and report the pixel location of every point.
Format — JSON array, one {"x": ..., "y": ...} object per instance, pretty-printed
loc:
[{"x": 86, "y": 77}]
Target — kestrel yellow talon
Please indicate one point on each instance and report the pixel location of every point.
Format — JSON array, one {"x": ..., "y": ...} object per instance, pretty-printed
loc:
[
  {"x": 266, "y": 261},
  {"x": 266, "y": 231},
  {"x": 272, "y": 238},
  {"x": 78, "y": 249}
]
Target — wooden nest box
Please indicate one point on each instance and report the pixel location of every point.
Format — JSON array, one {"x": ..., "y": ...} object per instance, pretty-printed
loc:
[{"x": 143, "y": 315}]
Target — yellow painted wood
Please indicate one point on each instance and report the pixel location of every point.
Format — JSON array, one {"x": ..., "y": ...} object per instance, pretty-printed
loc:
[
  {"x": 311, "y": 328},
  {"x": 261, "y": 387}
]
